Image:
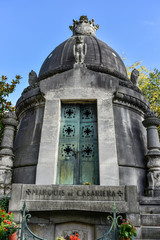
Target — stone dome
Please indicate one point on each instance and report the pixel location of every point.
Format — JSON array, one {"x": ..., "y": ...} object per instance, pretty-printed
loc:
[{"x": 99, "y": 57}]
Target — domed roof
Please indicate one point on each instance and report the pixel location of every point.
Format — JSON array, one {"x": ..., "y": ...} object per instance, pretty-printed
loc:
[{"x": 99, "y": 56}]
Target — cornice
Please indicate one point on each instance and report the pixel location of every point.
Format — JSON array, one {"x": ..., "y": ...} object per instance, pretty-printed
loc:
[
  {"x": 130, "y": 101},
  {"x": 29, "y": 103}
]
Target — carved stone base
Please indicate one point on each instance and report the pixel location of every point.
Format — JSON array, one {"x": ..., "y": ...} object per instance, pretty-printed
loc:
[
  {"x": 80, "y": 65},
  {"x": 6, "y": 151},
  {"x": 153, "y": 189},
  {"x": 152, "y": 192},
  {"x": 6, "y": 164}
]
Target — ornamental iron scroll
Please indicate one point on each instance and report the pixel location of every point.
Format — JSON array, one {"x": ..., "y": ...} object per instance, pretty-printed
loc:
[
  {"x": 113, "y": 233},
  {"x": 26, "y": 233}
]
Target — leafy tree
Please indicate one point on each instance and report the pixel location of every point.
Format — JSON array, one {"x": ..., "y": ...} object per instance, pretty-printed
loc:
[
  {"x": 149, "y": 84},
  {"x": 5, "y": 90}
]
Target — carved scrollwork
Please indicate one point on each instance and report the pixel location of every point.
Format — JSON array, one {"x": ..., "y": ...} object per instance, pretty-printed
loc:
[
  {"x": 35, "y": 85},
  {"x": 10, "y": 118},
  {"x": 121, "y": 97},
  {"x": 131, "y": 86},
  {"x": 84, "y": 26},
  {"x": 32, "y": 102},
  {"x": 151, "y": 119},
  {"x": 153, "y": 161},
  {"x": 157, "y": 179}
]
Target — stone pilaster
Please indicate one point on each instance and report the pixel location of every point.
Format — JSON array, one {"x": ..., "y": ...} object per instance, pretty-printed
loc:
[
  {"x": 151, "y": 123},
  {"x": 6, "y": 152}
]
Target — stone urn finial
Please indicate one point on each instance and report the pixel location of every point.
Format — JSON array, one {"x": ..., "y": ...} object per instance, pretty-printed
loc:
[{"x": 83, "y": 26}]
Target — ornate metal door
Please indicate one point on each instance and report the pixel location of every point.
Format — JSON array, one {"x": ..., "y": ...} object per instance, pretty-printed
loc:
[{"x": 78, "y": 145}]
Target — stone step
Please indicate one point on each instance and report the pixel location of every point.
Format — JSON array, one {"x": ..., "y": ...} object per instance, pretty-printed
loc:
[
  {"x": 150, "y": 205},
  {"x": 150, "y": 209},
  {"x": 150, "y": 220},
  {"x": 150, "y": 233}
]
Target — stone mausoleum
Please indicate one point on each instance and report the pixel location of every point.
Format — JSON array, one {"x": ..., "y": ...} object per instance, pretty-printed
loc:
[{"x": 82, "y": 120}]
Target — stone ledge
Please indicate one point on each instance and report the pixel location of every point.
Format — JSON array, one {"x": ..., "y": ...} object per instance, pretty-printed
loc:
[
  {"x": 150, "y": 200},
  {"x": 76, "y": 197}
]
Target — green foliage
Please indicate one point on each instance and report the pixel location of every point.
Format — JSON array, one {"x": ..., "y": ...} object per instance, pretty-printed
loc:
[
  {"x": 127, "y": 230},
  {"x": 4, "y": 203},
  {"x": 7, "y": 226},
  {"x": 149, "y": 84},
  {"x": 5, "y": 105}
]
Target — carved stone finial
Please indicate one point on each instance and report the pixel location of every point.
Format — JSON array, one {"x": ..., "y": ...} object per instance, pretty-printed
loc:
[
  {"x": 32, "y": 77},
  {"x": 80, "y": 50},
  {"x": 10, "y": 118},
  {"x": 134, "y": 77},
  {"x": 151, "y": 122},
  {"x": 83, "y": 26},
  {"x": 150, "y": 114},
  {"x": 151, "y": 119},
  {"x": 10, "y": 124}
]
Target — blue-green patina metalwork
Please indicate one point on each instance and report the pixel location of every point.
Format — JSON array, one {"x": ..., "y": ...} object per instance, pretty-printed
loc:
[
  {"x": 113, "y": 233},
  {"x": 25, "y": 233},
  {"x": 78, "y": 145}
]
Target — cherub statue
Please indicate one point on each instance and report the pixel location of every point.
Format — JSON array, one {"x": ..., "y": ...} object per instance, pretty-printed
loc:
[{"x": 80, "y": 49}]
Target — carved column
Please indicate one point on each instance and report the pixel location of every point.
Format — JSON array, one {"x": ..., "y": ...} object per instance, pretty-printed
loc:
[
  {"x": 6, "y": 152},
  {"x": 151, "y": 123}
]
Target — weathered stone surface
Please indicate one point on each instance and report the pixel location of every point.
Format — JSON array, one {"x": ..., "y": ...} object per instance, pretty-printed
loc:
[
  {"x": 150, "y": 233},
  {"x": 100, "y": 58},
  {"x": 87, "y": 198},
  {"x": 99, "y": 77},
  {"x": 151, "y": 122},
  {"x": 26, "y": 146},
  {"x": 45, "y": 231},
  {"x": 32, "y": 77},
  {"x": 133, "y": 176},
  {"x": 84, "y": 193},
  {"x": 24, "y": 174},
  {"x": 6, "y": 164},
  {"x": 150, "y": 219},
  {"x": 10, "y": 122}
]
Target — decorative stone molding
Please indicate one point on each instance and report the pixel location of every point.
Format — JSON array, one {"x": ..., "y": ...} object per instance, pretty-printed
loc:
[
  {"x": 106, "y": 70},
  {"x": 6, "y": 164},
  {"x": 131, "y": 86},
  {"x": 27, "y": 89},
  {"x": 130, "y": 101},
  {"x": 10, "y": 123},
  {"x": 55, "y": 71},
  {"x": 84, "y": 26},
  {"x": 29, "y": 103},
  {"x": 6, "y": 152},
  {"x": 151, "y": 119},
  {"x": 151, "y": 122},
  {"x": 93, "y": 68}
]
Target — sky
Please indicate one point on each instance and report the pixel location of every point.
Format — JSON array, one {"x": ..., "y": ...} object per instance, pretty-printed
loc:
[{"x": 31, "y": 29}]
